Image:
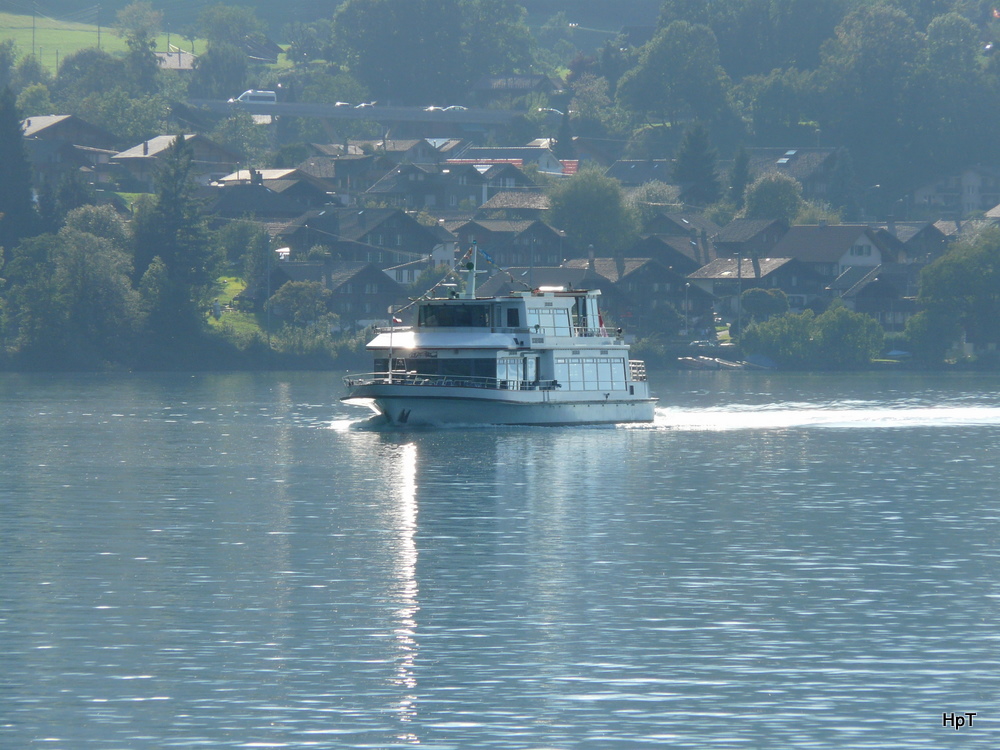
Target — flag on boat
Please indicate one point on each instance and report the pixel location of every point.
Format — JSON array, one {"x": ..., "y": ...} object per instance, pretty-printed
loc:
[{"x": 396, "y": 320}]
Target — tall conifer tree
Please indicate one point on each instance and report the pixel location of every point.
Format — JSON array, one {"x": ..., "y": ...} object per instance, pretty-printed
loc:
[
  {"x": 695, "y": 168},
  {"x": 17, "y": 209}
]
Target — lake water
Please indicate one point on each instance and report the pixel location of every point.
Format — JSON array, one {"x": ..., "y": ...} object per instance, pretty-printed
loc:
[{"x": 233, "y": 561}]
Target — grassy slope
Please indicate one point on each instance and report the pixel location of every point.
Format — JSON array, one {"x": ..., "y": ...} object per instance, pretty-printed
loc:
[{"x": 57, "y": 39}]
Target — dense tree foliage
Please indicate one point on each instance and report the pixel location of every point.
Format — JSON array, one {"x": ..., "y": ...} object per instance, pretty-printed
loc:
[
  {"x": 172, "y": 255},
  {"x": 837, "y": 339},
  {"x": 696, "y": 169},
  {"x": 773, "y": 196},
  {"x": 964, "y": 286},
  {"x": 422, "y": 51},
  {"x": 678, "y": 77},
  {"x": 593, "y": 210},
  {"x": 17, "y": 211}
]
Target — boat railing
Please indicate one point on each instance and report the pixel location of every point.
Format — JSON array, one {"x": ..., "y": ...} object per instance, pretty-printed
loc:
[
  {"x": 597, "y": 332},
  {"x": 447, "y": 381},
  {"x": 637, "y": 369},
  {"x": 392, "y": 329}
]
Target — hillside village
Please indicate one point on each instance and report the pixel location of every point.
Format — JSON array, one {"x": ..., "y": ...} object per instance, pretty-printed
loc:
[
  {"x": 486, "y": 196},
  {"x": 370, "y": 219}
]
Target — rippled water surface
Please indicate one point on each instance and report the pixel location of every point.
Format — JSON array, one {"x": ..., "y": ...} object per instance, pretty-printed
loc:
[{"x": 237, "y": 561}]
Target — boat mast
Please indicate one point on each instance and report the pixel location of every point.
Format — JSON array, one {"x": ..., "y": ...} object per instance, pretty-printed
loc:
[{"x": 470, "y": 287}]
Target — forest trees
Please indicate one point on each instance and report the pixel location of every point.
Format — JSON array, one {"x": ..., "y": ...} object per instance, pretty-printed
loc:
[
  {"x": 17, "y": 210},
  {"x": 678, "y": 76},
  {"x": 421, "y": 51},
  {"x": 838, "y": 339},
  {"x": 695, "y": 168},
  {"x": 593, "y": 210},
  {"x": 961, "y": 291},
  {"x": 176, "y": 263}
]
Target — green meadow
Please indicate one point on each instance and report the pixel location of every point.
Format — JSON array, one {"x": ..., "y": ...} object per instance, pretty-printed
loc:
[{"x": 55, "y": 39}]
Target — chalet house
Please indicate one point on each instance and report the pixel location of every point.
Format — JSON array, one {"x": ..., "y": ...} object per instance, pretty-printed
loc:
[
  {"x": 61, "y": 144},
  {"x": 407, "y": 273},
  {"x": 681, "y": 225},
  {"x": 361, "y": 293},
  {"x": 350, "y": 175},
  {"x": 409, "y": 151},
  {"x": 636, "y": 172},
  {"x": 726, "y": 278},
  {"x": 383, "y": 236},
  {"x": 239, "y": 201},
  {"x": 817, "y": 169},
  {"x": 515, "y": 204},
  {"x": 831, "y": 249},
  {"x": 922, "y": 241},
  {"x": 971, "y": 191},
  {"x": 300, "y": 186},
  {"x": 503, "y": 90},
  {"x": 211, "y": 161},
  {"x": 520, "y": 156},
  {"x": 683, "y": 254},
  {"x": 443, "y": 254},
  {"x": 451, "y": 185},
  {"x": 875, "y": 292},
  {"x": 645, "y": 291},
  {"x": 514, "y": 242},
  {"x": 750, "y": 238}
]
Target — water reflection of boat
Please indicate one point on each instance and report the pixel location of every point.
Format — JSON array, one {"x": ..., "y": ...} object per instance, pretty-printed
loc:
[{"x": 538, "y": 357}]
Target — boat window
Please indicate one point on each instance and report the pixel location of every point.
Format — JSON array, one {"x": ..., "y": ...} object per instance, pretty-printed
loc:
[
  {"x": 513, "y": 317},
  {"x": 454, "y": 316},
  {"x": 554, "y": 322},
  {"x": 590, "y": 373},
  {"x": 479, "y": 367}
]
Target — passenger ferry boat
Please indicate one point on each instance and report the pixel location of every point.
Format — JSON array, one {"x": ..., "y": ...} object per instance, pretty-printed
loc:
[{"x": 538, "y": 357}]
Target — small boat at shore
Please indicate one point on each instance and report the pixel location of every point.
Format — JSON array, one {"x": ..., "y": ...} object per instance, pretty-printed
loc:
[{"x": 538, "y": 357}]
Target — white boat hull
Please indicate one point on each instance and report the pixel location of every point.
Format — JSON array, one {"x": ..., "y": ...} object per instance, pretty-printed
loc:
[{"x": 407, "y": 405}]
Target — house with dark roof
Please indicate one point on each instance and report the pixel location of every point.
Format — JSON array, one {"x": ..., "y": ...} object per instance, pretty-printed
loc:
[
  {"x": 749, "y": 237},
  {"x": 306, "y": 189},
  {"x": 683, "y": 254},
  {"x": 211, "y": 161},
  {"x": 648, "y": 297},
  {"x": 515, "y": 204},
  {"x": 383, "y": 236},
  {"x": 681, "y": 225},
  {"x": 875, "y": 291},
  {"x": 923, "y": 241},
  {"x": 636, "y": 172},
  {"x": 409, "y": 150},
  {"x": 815, "y": 168},
  {"x": 59, "y": 144},
  {"x": 251, "y": 201},
  {"x": 514, "y": 242},
  {"x": 350, "y": 174},
  {"x": 360, "y": 292},
  {"x": 829, "y": 249},
  {"x": 520, "y": 156},
  {"x": 448, "y": 186},
  {"x": 727, "y": 278}
]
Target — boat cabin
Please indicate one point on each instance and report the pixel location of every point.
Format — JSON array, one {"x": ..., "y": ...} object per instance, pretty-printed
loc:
[
  {"x": 545, "y": 313},
  {"x": 541, "y": 340}
]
